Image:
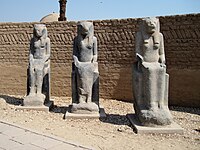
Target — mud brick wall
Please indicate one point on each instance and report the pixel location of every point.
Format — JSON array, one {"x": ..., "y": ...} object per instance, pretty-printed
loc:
[
  {"x": 182, "y": 48},
  {"x": 116, "y": 40}
]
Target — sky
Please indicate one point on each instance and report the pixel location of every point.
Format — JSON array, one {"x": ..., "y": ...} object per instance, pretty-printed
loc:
[{"x": 34, "y": 10}]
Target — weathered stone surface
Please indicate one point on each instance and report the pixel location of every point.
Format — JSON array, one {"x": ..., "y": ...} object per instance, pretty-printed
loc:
[
  {"x": 34, "y": 100},
  {"x": 85, "y": 75},
  {"x": 149, "y": 76},
  {"x": 84, "y": 108},
  {"x": 38, "y": 107},
  {"x": 38, "y": 80},
  {"x": 85, "y": 115},
  {"x": 140, "y": 129}
]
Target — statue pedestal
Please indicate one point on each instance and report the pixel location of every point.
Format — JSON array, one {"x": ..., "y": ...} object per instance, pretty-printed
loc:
[
  {"x": 86, "y": 115},
  {"x": 34, "y": 100},
  {"x": 140, "y": 129},
  {"x": 45, "y": 107},
  {"x": 84, "y": 108}
]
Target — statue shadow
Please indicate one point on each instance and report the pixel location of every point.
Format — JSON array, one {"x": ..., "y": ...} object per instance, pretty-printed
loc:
[
  {"x": 116, "y": 119},
  {"x": 59, "y": 109},
  {"x": 12, "y": 100},
  {"x": 191, "y": 110}
]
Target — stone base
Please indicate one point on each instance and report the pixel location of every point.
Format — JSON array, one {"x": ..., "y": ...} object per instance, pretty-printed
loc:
[
  {"x": 169, "y": 129},
  {"x": 84, "y": 108},
  {"x": 46, "y": 107},
  {"x": 34, "y": 100},
  {"x": 95, "y": 115}
]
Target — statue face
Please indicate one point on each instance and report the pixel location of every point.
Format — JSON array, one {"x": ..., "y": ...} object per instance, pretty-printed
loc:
[
  {"x": 151, "y": 24},
  {"x": 84, "y": 28},
  {"x": 39, "y": 30}
]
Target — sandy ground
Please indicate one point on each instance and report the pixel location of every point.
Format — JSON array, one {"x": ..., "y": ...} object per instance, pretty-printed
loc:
[{"x": 114, "y": 132}]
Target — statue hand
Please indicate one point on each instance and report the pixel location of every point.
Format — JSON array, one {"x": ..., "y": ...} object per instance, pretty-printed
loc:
[
  {"x": 139, "y": 57},
  {"x": 76, "y": 61}
]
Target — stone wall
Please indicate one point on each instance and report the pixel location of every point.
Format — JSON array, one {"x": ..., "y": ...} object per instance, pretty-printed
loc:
[{"x": 116, "y": 40}]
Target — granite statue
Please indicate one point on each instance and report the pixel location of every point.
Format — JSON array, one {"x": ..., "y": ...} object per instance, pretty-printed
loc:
[
  {"x": 85, "y": 75},
  {"x": 150, "y": 79},
  {"x": 38, "y": 78}
]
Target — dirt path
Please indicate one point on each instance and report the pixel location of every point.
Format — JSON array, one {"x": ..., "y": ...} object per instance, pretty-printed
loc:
[{"x": 114, "y": 133}]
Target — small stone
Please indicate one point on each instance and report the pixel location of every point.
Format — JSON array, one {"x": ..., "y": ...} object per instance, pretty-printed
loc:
[{"x": 120, "y": 130}]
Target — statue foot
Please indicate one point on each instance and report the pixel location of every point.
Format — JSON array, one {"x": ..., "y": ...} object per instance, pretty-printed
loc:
[
  {"x": 41, "y": 96},
  {"x": 34, "y": 100},
  {"x": 85, "y": 108},
  {"x": 32, "y": 94},
  {"x": 82, "y": 102},
  {"x": 155, "y": 118}
]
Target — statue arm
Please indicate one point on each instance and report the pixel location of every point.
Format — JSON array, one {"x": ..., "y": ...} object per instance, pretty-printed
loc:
[
  {"x": 95, "y": 52},
  {"x": 31, "y": 53},
  {"x": 161, "y": 50},
  {"x": 48, "y": 50}
]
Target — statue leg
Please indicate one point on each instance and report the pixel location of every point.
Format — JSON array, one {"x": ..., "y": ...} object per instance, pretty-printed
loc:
[
  {"x": 39, "y": 80},
  {"x": 161, "y": 85},
  {"x": 89, "y": 95},
  {"x": 166, "y": 89},
  {"x": 82, "y": 98},
  {"x": 164, "y": 102},
  {"x": 150, "y": 89},
  {"x": 88, "y": 87},
  {"x": 82, "y": 95},
  {"x": 85, "y": 91},
  {"x": 81, "y": 91},
  {"x": 33, "y": 81}
]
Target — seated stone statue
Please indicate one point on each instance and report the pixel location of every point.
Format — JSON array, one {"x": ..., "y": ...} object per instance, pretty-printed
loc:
[
  {"x": 150, "y": 77},
  {"x": 85, "y": 75},
  {"x": 39, "y": 68}
]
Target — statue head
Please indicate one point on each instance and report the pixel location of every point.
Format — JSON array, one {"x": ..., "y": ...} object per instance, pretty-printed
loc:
[
  {"x": 40, "y": 30},
  {"x": 151, "y": 25},
  {"x": 85, "y": 28},
  {"x": 86, "y": 31}
]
